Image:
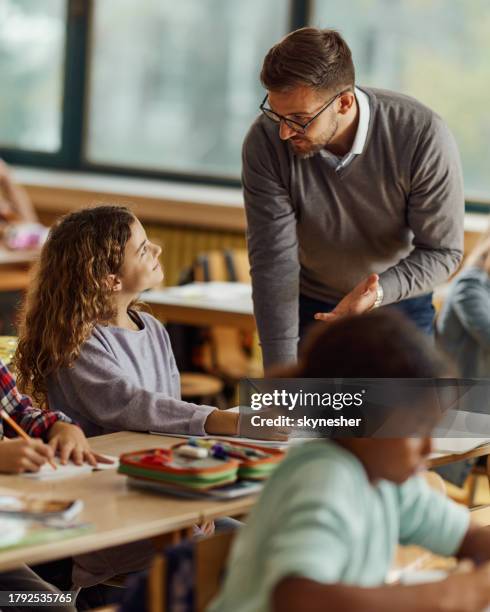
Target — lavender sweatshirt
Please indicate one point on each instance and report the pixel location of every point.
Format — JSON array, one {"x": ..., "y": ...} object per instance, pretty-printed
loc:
[{"x": 126, "y": 380}]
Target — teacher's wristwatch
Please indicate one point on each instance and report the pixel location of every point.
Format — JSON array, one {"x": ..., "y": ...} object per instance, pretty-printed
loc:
[{"x": 379, "y": 296}]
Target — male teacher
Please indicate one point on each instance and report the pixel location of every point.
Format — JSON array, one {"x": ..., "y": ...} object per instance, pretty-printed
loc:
[{"x": 354, "y": 196}]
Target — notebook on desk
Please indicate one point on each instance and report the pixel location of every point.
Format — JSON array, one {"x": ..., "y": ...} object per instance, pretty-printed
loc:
[{"x": 69, "y": 470}]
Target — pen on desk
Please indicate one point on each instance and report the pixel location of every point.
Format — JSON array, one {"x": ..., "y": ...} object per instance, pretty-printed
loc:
[{"x": 6, "y": 417}]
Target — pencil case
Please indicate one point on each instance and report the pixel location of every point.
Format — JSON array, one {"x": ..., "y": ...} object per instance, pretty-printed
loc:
[
  {"x": 168, "y": 466},
  {"x": 198, "y": 474},
  {"x": 255, "y": 468}
]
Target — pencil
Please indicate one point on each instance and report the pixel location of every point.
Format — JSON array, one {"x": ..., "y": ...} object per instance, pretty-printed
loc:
[{"x": 6, "y": 417}]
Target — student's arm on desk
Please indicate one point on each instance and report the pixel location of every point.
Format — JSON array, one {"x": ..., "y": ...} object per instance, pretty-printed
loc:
[
  {"x": 468, "y": 592},
  {"x": 99, "y": 389}
]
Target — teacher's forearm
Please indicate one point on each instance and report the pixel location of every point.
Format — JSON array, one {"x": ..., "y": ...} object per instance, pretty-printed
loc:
[{"x": 419, "y": 273}]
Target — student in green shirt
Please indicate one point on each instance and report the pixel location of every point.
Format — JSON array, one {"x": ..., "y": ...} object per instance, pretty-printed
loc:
[{"x": 325, "y": 530}]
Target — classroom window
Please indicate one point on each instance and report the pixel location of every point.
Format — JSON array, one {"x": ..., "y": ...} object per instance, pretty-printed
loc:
[
  {"x": 169, "y": 88},
  {"x": 32, "y": 46},
  {"x": 174, "y": 85},
  {"x": 434, "y": 50}
]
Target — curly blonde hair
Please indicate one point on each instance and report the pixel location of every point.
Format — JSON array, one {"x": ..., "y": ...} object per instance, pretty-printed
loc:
[{"x": 69, "y": 294}]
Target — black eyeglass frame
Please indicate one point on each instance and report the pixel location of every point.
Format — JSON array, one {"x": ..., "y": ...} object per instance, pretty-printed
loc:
[{"x": 299, "y": 128}]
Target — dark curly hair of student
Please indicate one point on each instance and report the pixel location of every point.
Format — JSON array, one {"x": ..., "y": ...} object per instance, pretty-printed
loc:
[
  {"x": 380, "y": 344},
  {"x": 69, "y": 293}
]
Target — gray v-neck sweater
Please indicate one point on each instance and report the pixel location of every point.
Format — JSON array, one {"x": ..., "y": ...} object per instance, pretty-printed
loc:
[
  {"x": 126, "y": 380},
  {"x": 395, "y": 210}
]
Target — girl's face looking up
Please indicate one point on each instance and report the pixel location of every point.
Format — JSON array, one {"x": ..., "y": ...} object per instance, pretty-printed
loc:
[{"x": 141, "y": 269}]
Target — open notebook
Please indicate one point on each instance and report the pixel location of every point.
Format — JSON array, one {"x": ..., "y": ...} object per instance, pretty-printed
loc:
[{"x": 69, "y": 470}]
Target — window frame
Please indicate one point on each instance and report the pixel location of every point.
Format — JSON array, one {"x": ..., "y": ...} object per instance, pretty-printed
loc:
[
  {"x": 71, "y": 155},
  {"x": 74, "y": 112}
]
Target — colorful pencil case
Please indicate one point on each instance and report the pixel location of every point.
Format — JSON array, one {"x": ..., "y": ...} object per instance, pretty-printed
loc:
[
  {"x": 168, "y": 466},
  {"x": 181, "y": 471},
  {"x": 258, "y": 467}
]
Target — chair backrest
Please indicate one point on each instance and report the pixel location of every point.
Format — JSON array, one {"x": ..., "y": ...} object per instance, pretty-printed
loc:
[
  {"x": 225, "y": 265},
  {"x": 226, "y": 350},
  {"x": 210, "y": 556}
]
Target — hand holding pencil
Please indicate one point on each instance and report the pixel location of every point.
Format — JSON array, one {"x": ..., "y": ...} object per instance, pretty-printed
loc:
[{"x": 23, "y": 454}]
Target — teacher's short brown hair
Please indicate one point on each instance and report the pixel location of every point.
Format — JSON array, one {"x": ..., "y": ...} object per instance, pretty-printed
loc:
[{"x": 320, "y": 59}]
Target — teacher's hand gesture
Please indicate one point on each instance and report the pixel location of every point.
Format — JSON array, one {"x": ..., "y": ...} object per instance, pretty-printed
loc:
[{"x": 359, "y": 300}]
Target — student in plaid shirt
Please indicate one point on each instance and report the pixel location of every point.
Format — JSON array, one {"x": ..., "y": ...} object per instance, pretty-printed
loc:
[{"x": 53, "y": 431}]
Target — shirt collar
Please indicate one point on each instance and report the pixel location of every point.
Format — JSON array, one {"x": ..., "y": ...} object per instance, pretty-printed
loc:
[
  {"x": 360, "y": 137},
  {"x": 363, "y": 125}
]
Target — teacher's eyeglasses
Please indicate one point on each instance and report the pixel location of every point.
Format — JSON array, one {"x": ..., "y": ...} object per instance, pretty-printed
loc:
[{"x": 298, "y": 127}]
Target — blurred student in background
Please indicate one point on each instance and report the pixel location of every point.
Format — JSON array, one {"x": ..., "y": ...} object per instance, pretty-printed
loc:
[
  {"x": 15, "y": 204},
  {"x": 19, "y": 229},
  {"x": 464, "y": 323}
]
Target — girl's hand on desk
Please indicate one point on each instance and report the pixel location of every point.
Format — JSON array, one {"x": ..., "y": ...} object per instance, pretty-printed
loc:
[
  {"x": 70, "y": 443},
  {"x": 19, "y": 455},
  {"x": 222, "y": 422}
]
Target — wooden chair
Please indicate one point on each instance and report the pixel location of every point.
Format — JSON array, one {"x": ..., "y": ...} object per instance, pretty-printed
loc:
[
  {"x": 202, "y": 388},
  {"x": 226, "y": 353},
  {"x": 211, "y": 555},
  {"x": 467, "y": 493}
]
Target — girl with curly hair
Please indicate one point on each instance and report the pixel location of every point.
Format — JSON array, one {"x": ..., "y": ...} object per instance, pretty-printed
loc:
[{"x": 85, "y": 344}]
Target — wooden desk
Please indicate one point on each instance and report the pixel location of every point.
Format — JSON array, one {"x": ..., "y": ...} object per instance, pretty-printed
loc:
[
  {"x": 118, "y": 513},
  {"x": 412, "y": 558},
  {"x": 9, "y": 258},
  {"x": 225, "y": 304},
  {"x": 15, "y": 269},
  {"x": 437, "y": 460},
  {"x": 481, "y": 516}
]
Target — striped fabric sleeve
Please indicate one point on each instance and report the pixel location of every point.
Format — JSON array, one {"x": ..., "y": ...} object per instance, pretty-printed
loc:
[{"x": 34, "y": 421}]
